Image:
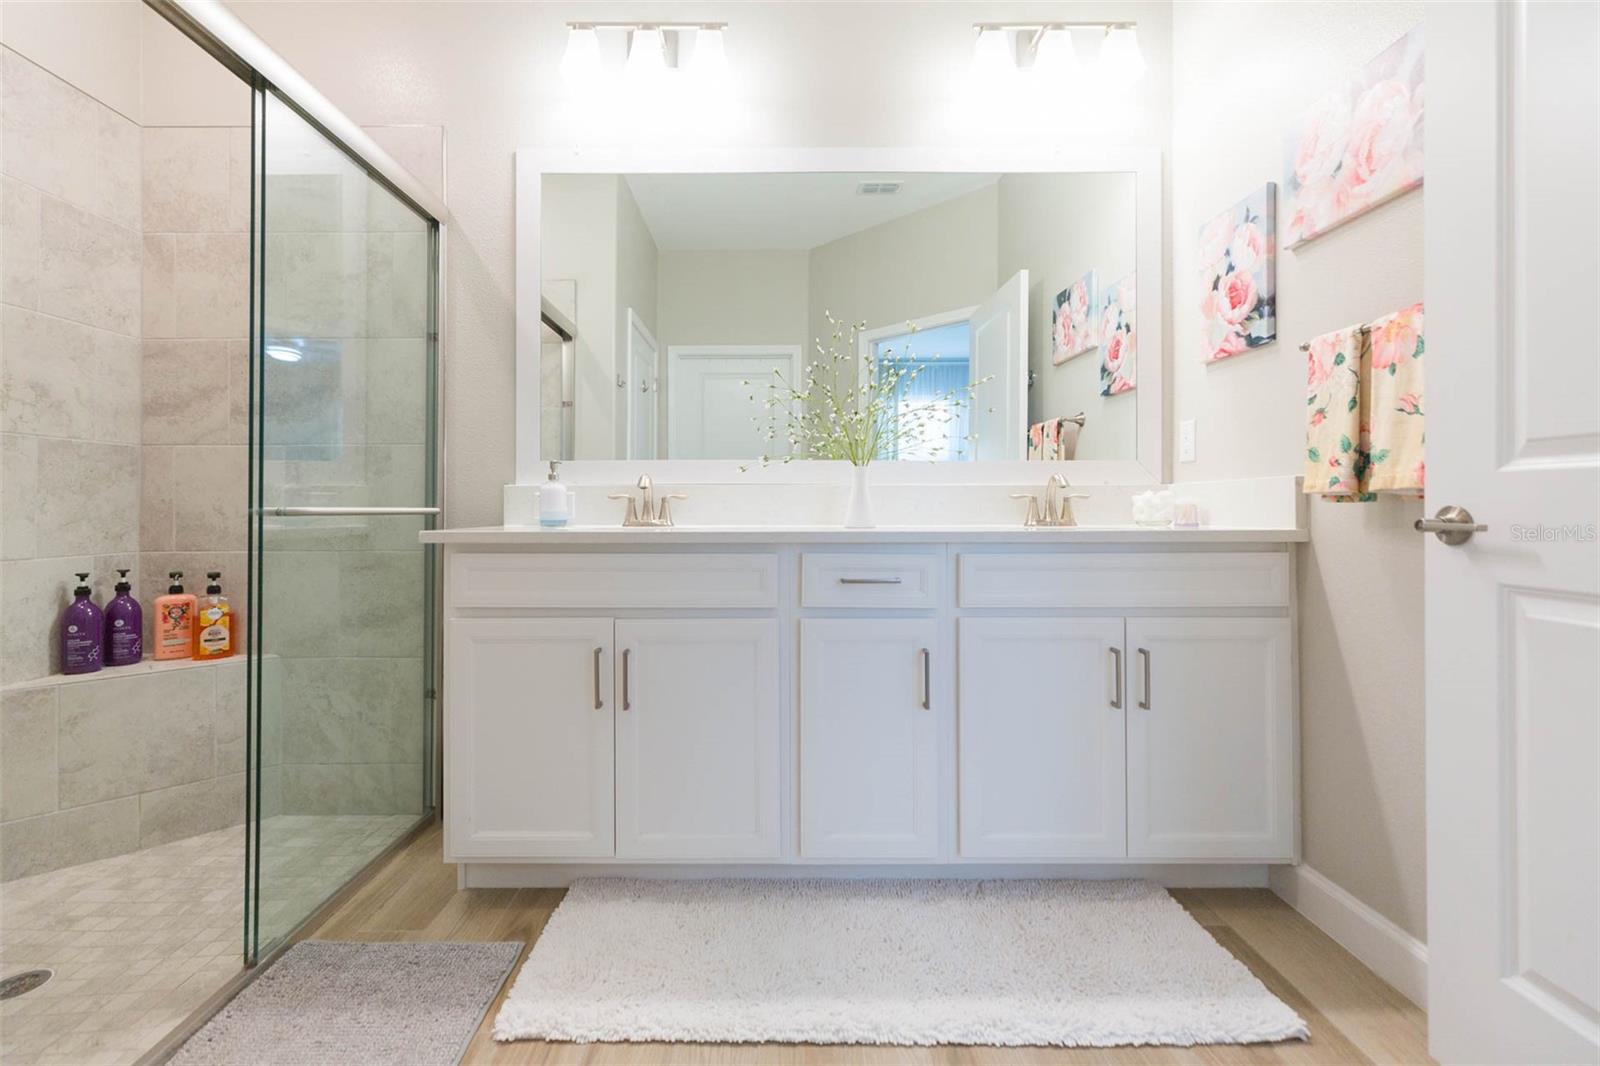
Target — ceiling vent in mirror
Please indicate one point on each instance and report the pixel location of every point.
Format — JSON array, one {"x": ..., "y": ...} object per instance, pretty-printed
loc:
[{"x": 878, "y": 188}]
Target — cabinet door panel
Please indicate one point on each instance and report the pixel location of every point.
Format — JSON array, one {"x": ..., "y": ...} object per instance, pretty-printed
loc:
[
  {"x": 697, "y": 739},
  {"x": 868, "y": 738},
  {"x": 1041, "y": 738},
  {"x": 529, "y": 752},
  {"x": 1211, "y": 759}
]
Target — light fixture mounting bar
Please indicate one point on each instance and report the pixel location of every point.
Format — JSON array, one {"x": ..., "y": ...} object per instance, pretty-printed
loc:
[
  {"x": 647, "y": 25},
  {"x": 1039, "y": 27}
]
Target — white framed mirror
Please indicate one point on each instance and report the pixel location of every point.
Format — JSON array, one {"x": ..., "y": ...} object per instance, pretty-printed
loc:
[{"x": 1009, "y": 306}]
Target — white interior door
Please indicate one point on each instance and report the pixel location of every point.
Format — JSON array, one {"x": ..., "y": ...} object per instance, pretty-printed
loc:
[
  {"x": 1513, "y": 614},
  {"x": 1041, "y": 745},
  {"x": 697, "y": 738},
  {"x": 1000, "y": 352},
  {"x": 643, "y": 389},
  {"x": 709, "y": 413}
]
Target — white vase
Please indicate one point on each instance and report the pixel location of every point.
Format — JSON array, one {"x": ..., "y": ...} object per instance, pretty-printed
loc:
[{"x": 859, "y": 514}]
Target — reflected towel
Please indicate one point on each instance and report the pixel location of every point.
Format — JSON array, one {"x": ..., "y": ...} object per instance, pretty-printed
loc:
[{"x": 1067, "y": 442}]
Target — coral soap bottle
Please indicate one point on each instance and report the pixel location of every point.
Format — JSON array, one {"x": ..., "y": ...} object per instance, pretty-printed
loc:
[
  {"x": 175, "y": 621},
  {"x": 213, "y": 628}
]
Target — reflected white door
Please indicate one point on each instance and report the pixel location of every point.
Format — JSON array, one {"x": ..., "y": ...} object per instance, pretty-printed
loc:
[
  {"x": 709, "y": 411},
  {"x": 1000, "y": 353},
  {"x": 642, "y": 388},
  {"x": 1513, "y": 614}
]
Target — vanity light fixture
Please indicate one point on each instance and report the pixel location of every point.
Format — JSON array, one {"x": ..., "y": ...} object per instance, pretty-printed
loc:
[
  {"x": 1047, "y": 47},
  {"x": 653, "y": 48}
]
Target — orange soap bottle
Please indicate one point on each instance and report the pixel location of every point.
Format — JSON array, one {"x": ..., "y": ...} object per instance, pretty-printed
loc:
[
  {"x": 213, "y": 627},
  {"x": 174, "y": 621}
]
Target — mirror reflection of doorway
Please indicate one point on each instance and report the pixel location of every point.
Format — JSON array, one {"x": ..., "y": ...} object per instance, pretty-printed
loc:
[
  {"x": 709, "y": 412},
  {"x": 643, "y": 389}
]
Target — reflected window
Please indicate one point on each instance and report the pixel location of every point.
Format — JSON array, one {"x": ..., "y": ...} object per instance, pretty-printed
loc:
[{"x": 934, "y": 364}]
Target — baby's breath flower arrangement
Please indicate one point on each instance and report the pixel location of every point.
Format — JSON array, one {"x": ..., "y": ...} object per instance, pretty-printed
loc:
[{"x": 852, "y": 406}]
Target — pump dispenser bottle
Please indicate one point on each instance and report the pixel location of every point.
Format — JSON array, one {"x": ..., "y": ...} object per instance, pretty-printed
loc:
[
  {"x": 124, "y": 626},
  {"x": 174, "y": 630},
  {"x": 555, "y": 500},
  {"x": 82, "y": 632},
  {"x": 213, "y": 634}
]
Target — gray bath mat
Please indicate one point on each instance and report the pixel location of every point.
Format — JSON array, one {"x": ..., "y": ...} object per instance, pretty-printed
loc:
[{"x": 328, "y": 1001}]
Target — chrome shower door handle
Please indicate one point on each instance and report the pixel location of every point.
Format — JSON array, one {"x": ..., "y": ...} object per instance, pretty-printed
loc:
[
  {"x": 1144, "y": 699},
  {"x": 323, "y": 512},
  {"x": 1116, "y": 677}
]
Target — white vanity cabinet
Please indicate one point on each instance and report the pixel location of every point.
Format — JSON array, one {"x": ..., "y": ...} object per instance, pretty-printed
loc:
[
  {"x": 869, "y": 738},
  {"x": 828, "y": 698}
]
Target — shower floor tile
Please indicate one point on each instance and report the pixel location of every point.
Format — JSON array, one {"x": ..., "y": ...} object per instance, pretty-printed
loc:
[{"x": 139, "y": 941}]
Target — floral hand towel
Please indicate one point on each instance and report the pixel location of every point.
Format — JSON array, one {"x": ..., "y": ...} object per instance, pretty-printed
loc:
[
  {"x": 1336, "y": 451},
  {"x": 1395, "y": 415}
]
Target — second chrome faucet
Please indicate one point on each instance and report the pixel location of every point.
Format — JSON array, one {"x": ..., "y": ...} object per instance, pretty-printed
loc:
[{"x": 644, "y": 510}]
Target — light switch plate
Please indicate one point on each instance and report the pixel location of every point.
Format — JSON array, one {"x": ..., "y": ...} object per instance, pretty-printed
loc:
[{"x": 1186, "y": 441}]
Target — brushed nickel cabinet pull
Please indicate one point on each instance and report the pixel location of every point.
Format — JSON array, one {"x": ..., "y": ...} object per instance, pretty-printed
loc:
[
  {"x": 627, "y": 700},
  {"x": 869, "y": 581},
  {"x": 597, "y": 703},
  {"x": 927, "y": 680},
  {"x": 1144, "y": 658},
  {"x": 1116, "y": 676}
]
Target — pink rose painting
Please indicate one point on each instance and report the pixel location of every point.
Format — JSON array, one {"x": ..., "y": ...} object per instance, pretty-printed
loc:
[
  {"x": 1238, "y": 302},
  {"x": 1072, "y": 319},
  {"x": 1358, "y": 145},
  {"x": 1119, "y": 348}
]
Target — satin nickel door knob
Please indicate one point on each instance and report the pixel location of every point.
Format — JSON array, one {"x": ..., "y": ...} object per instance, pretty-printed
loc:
[{"x": 1453, "y": 525}]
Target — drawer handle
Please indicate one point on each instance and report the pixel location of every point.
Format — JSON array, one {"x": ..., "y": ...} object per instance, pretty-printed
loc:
[
  {"x": 927, "y": 680},
  {"x": 870, "y": 581},
  {"x": 597, "y": 653},
  {"x": 1116, "y": 677},
  {"x": 627, "y": 700},
  {"x": 1144, "y": 658}
]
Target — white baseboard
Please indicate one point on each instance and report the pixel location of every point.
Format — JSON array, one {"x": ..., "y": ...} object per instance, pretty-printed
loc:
[
  {"x": 1383, "y": 947},
  {"x": 560, "y": 875}
]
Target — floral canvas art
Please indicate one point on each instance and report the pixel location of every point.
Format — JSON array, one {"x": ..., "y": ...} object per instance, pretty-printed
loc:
[
  {"x": 1238, "y": 307},
  {"x": 1119, "y": 348},
  {"x": 1072, "y": 319},
  {"x": 1356, "y": 146}
]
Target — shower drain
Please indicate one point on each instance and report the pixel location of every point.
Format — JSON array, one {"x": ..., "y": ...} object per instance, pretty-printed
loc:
[{"x": 27, "y": 981}]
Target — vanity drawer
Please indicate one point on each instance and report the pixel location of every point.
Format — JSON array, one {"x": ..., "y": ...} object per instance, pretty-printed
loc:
[
  {"x": 869, "y": 579},
  {"x": 558, "y": 579},
  {"x": 1125, "y": 579}
]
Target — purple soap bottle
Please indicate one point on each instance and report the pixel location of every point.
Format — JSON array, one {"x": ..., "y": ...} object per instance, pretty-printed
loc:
[
  {"x": 124, "y": 626},
  {"x": 82, "y": 632}
]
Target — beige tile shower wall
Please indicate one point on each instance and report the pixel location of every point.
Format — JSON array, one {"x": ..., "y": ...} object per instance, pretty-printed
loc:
[
  {"x": 1242, "y": 72},
  {"x": 104, "y": 764},
  {"x": 69, "y": 352},
  {"x": 195, "y": 358}
]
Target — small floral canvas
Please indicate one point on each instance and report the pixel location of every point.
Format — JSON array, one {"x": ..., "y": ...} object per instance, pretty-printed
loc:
[
  {"x": 1238, "y": 307},
  {"x": 1119, "y": 347},
  {"x": 1072, "y": 319},
  {"x": 1356, "y": 146}
]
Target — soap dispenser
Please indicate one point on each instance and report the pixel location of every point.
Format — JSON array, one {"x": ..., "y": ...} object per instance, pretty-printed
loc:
[
  {"x": 174, "y": 631},
  {"x": 555, "y": 500},
  {"x": 82, "y": 632},
  {"x": 124, "y": 626},
  {"x": 213, "y": 627}
]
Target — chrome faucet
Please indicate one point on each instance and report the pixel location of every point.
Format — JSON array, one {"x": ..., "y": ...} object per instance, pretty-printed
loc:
[
  {"x": 1056, "y": 510},
  {"x": 644, "y": 510}
]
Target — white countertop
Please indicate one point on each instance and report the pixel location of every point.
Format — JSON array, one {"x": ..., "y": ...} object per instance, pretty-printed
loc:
[{"x": 800, "y": 534}]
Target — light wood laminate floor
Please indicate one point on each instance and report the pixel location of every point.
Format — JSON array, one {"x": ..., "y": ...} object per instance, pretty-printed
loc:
[{"x": 1354, "y": 1016}]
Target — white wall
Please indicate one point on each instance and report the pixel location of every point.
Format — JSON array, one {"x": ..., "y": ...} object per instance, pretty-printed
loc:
[
  {"x": 733, "y": 298},
  {"x": 1242, "y": 72},
  {"x": 636, "y": 290},
  {"x": 1058, "y": 227},
  {"x": 487, "y": 72},
  {"x": 579, "y": 245}
]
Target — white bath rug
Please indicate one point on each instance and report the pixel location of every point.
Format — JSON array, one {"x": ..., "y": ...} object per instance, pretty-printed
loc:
[{"x": 1077, "y": 963}]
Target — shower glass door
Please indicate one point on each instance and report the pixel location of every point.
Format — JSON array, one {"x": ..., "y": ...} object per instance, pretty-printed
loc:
[{"x": 343, "y": 440}]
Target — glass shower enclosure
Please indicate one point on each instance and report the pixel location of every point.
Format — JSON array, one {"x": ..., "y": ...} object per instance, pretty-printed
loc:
[{"x": 344, "y": 444}]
